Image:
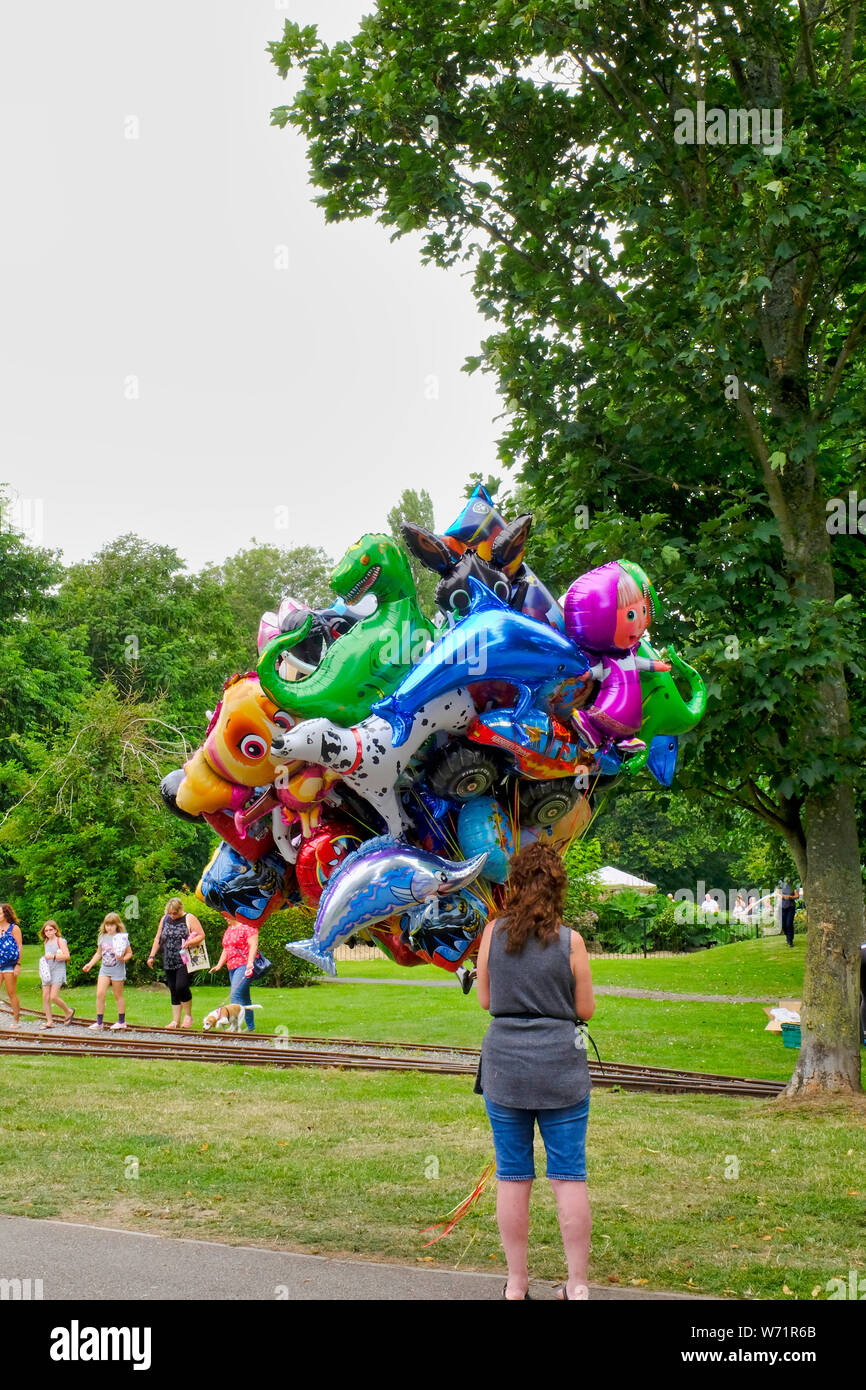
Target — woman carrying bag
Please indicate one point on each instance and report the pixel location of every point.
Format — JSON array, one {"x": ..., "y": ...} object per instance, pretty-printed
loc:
[
  {"x": 177, "y": 931},
  {"x": 52, "y": 972},
  {"x": 241, "y": 954}
]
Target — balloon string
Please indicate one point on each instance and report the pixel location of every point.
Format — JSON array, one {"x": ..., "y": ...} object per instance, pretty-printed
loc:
[{"x": 457, "y": 1213}]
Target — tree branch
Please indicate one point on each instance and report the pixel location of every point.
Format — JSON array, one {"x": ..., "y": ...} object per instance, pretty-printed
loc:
[
  {"x": 806, "y": 42},
  {"x": 762, "y": 455},
  {"x": 854, "y": 339}
]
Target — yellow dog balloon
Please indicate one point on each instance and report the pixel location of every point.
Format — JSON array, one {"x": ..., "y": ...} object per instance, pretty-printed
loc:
[{"x": 236, "y": 753}]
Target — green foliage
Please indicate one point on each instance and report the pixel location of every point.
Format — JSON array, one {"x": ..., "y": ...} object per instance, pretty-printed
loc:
[
  {"x": 416, "y": 507},
  {"x": 258, "y": 578},
  {"x": 88, "y": 833},
  {"x": 581, "y": 859},
  {"x": 153, "y": 630},
  {"x": 41, "y": 667},
  {"x": 676, "y": 840}
]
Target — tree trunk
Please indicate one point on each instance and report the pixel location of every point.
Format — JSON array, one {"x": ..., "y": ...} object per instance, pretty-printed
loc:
[{"x": 829, "y": 1059}]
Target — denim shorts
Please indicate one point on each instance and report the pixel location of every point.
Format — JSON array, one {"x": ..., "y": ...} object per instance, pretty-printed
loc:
[{"x": 563, "y": 1132}]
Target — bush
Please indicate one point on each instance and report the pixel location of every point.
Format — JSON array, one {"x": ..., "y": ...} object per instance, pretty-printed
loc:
[{"x": 290, "y": 924}]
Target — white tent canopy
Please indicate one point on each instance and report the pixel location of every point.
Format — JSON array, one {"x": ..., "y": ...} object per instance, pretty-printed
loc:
[{"x": 614, "y": 880}]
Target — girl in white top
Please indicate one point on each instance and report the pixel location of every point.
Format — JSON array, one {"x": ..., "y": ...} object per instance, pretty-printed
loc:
[
  {"x": 52, "y": 972},
  {"x": 113, "y": 950}
]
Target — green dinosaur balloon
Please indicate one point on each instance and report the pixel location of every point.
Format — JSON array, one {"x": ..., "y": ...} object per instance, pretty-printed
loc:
[
  {"x": 664, "y": 709},
  {"x": 370, "y": 660}
]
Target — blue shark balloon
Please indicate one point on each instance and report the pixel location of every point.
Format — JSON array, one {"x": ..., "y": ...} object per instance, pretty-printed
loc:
[
  {"x": 491, "y": 643},
  {"x": 382, "y": 878}
]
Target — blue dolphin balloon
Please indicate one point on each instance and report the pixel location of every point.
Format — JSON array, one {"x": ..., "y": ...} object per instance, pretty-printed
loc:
[
  {"x": 491, "y": 643},
  {"x": 382, "y": 878}
]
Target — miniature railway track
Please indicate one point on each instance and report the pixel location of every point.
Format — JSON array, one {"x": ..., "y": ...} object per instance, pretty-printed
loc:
[{"x": 282, "y": 1050}]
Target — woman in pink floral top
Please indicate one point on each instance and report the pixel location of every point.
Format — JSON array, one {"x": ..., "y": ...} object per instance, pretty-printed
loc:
[{"x": 240, "y": 945}]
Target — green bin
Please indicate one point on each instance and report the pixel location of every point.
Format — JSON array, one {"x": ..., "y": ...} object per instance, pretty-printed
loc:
[{"x": 791, "y": 1035}]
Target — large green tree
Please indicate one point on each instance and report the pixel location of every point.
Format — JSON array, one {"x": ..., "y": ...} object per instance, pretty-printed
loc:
[
  {"x": 42, "y": 661},
  {"x": 153, "y": 629},
  {"x": 88, "y": 833},
  {"x": 258, "y": 578},
  {"x": 678, "y": 323}
]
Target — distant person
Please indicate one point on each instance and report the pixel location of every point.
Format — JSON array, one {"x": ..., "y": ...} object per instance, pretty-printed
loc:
[
  {"x": 787, "y": 900},
  {"x": 177, "y": 931},
  {"x": 534, "y": 977},
  {"x": 113, "y": 951},
  {"x": 740, "y": 908},
  {"x": 240, "y": 945},
  {"x": 709, "y": 905},
  {"x": 10, "y": 957},
  {"x": 752, "y": 909},
  {"x": 52, "y": 972}
]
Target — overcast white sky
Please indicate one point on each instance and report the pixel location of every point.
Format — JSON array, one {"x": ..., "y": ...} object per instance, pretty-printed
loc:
[{"x": 290, "y": 405}]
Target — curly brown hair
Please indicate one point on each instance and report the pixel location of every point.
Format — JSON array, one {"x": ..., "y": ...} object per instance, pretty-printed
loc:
[{"x": 536, "y": 894}]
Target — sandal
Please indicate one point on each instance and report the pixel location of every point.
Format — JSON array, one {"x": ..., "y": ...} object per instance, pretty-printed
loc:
[
  {"x": 526, "y": 1296},
  {"x": 582, "y": 1293},
  {"x": 69, "y": 1017}
]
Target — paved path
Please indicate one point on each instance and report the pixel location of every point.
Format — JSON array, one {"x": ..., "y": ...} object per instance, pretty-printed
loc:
[
  {"x": 99, "y": 1262},
  {"x": 623, "y": 991}
]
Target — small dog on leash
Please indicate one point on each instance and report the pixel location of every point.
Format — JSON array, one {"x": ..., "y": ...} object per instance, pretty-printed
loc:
[{"x": 228, "y": 1018}]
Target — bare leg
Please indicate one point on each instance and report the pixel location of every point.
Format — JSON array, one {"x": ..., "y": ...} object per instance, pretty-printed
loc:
[
  {"x": 575, "y": 1224},
  {"x": 175, "y": 1016},
  {"x": 46, "y": 1004},
  {"x": 187, "y": 1014},
  {"x": 512, "y": 1214},
  {"x": 12, "y": 990},
  {"x": 55, "y": 999},
  {"x": 101, "y": 991},
  {"x": 117, "y": 990}
]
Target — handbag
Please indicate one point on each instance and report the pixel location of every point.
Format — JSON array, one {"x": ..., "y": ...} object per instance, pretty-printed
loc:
[
  {"x": 195, "y": 957},
  {"x": 44, "y": 970},
  {"x": 261, "y": 965}
]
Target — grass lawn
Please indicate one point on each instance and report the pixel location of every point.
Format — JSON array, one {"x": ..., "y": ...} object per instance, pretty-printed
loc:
[
  {"x": 718, "y": 1195},
  {"x": 731, "y": 1197},
  {"x": 727, "y": 1038},
  {"x": 765, "y": 968}
]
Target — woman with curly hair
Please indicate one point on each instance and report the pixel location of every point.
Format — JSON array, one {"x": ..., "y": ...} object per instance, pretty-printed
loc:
[{"x": 534, "y": 977}]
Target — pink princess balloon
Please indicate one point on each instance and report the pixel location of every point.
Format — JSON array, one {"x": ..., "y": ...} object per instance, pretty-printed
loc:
[{"x": 607, "y": 611}]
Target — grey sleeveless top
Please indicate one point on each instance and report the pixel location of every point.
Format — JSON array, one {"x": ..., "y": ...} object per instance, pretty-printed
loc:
[{"x": 528, "y": 1058}]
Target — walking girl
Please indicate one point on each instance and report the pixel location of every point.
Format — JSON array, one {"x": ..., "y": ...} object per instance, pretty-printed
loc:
[
  {"x": 534, "y": 977},
  {"x": 10, "y": 957},
  {"x": 113, "y": 950},
  {"x": 52, "y": 972},
  {"x": 177, "y": 931}
]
